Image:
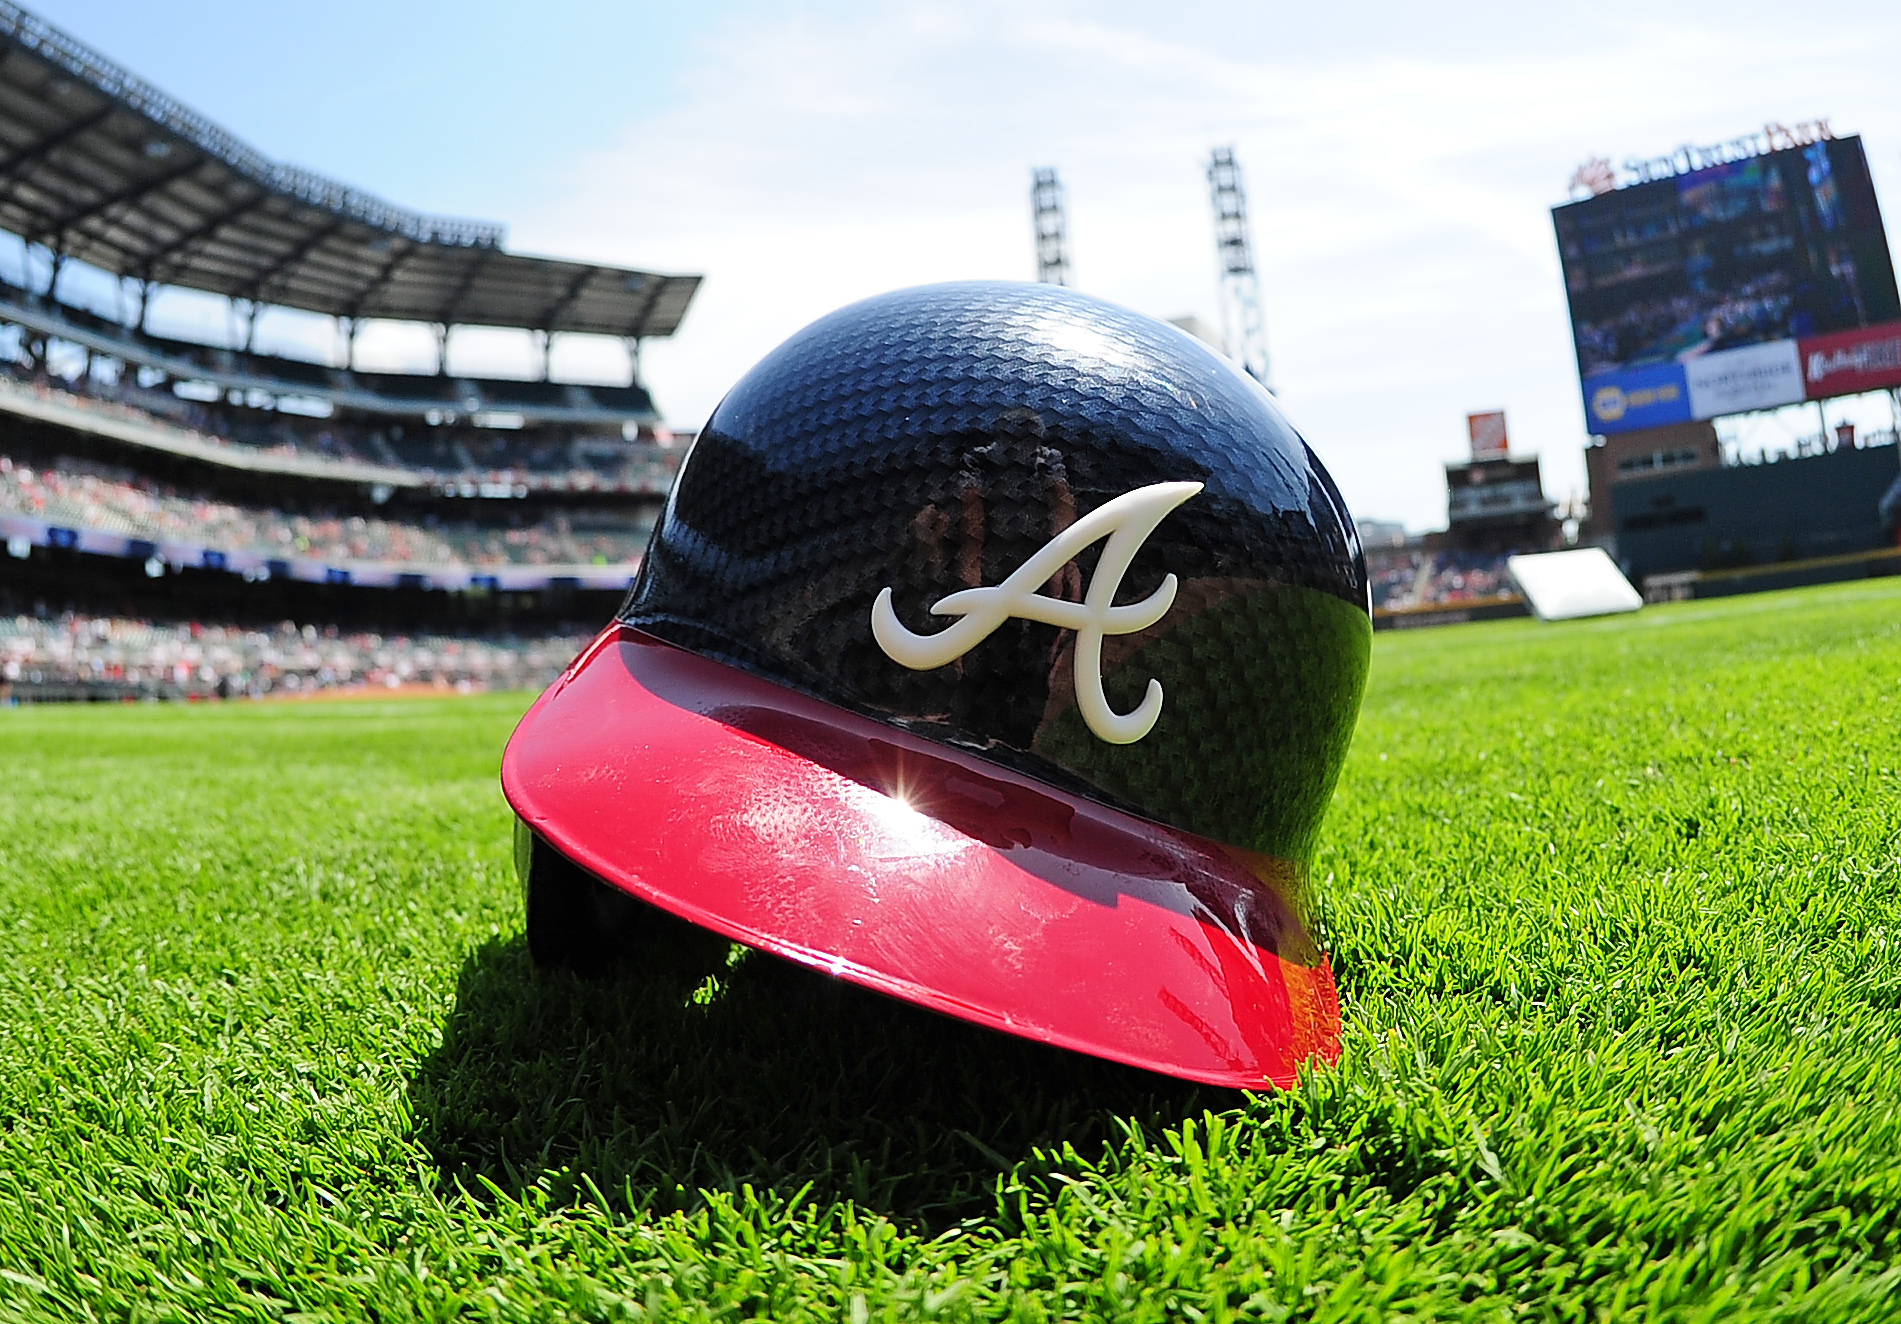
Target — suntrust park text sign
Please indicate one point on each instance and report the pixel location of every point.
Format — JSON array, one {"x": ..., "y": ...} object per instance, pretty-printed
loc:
[{"x": 1595, "y": 176}]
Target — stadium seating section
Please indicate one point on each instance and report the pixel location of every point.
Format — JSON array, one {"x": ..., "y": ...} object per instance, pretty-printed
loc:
[
  {"x": 1405, "y": 578},
  {"x": 76, "y": 494},
  {"x": 453, "y": 429},
  {"x": 83, "y": 326},
  {"x": 544, "y": 457},
  {"x": 142, "y": 446},
  {"x": 80, "y": 656}
]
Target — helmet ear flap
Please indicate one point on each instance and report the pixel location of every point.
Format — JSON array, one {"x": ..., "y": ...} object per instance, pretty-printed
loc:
[{"x": 577, "y": 922}]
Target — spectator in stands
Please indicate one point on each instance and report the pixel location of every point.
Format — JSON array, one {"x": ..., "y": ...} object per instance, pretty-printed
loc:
[
  {"x": 73, "y": 654},
  {"x": 557, "y": 457},
  {"x": 1411, "y": 577},
  {"x": 79, "y": 495}
]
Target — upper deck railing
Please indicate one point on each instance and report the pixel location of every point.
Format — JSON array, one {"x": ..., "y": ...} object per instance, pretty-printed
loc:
[{"x": 43, "y": 39}]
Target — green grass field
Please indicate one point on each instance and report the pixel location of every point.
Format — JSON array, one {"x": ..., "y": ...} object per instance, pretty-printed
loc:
[{"x": 1615, "y": 908}]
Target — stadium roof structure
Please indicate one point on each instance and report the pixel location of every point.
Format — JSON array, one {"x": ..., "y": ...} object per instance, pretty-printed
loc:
[{"x": 101, "y": 167}]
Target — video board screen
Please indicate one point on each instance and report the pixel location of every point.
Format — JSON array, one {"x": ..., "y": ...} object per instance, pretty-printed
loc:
[{"x": 1745, "y": 285}]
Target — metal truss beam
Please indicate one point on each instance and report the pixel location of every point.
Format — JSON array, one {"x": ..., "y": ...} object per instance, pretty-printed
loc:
[
  {"x": 203, "y": 231},
  {"x": 1243, "y": 324},
  {"x": 560, "y": 306},
  {"x": 453, "y": 304},
  {"x": 399, "y": 252},
  {"x": 83, "y": 217},
  {"x": 11, "y": 166},
  {"x": 656, "y": 286},
  {"x": 261, "y": 290},
  {"x": 1052, "y": 227}
]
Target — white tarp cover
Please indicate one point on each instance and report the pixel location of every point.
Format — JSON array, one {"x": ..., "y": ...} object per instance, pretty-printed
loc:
[{"x": 1561, "y": 585}]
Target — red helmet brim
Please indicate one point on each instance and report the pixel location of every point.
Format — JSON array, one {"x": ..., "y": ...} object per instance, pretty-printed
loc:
[{"x": 919, "y": 870}]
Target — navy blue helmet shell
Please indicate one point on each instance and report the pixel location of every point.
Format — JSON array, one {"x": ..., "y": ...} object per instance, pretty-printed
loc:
[{"x": 1147, "y": 588}]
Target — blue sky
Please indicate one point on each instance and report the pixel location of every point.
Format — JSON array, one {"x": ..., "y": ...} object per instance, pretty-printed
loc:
[
  {"x": 1401, "y": 161},
  {"x": 456, "y": 108}
]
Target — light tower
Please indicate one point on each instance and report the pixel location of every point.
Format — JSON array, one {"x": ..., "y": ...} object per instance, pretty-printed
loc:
[
  {"x": 1046, "y": 204},
  {"x": 1241, "y": 319}
]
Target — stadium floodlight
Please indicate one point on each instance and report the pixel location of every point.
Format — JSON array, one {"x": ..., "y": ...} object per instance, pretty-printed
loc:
[
  {"x": 1021, "y": 698},
  {"x": 1563, "y": 585},
  {"x": 1051, "y": 226},
  {"x": 1243, "y": 324}
]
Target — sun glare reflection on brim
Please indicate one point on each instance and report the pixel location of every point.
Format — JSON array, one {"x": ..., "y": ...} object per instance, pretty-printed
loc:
[{"x": 897, "y": 829}]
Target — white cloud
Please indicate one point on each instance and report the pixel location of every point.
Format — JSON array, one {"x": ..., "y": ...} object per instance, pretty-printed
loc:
[{"x": 1399, "y": 194}]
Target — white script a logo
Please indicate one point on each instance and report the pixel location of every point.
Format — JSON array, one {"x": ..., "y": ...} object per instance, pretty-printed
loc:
[{"x": 1127, "y": 522}]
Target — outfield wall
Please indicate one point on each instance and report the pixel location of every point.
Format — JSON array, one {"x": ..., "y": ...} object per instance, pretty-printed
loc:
[
  {"x": 1449, "y": 613},
  {"x": 1754, "y": 514}
]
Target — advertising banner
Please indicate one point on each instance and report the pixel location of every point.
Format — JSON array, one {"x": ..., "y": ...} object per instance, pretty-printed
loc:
[
  {"x": 1735, "y": 381},
  {"x": 1487, "y": 431},
  {"x": 1865, "y": 359},
  {"x": 21, "y": 533},
  {"x": 1635, "y": 398}
]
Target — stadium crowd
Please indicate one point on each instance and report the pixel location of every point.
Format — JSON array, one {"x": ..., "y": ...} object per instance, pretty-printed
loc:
[
  {"x": 83, "y": 496},
  {"x": 450, "y": 453},
  {"x": 1404, "y": 578},
  {"x": 79, "y": 656},
  {"x": 1669, "y": 326}
]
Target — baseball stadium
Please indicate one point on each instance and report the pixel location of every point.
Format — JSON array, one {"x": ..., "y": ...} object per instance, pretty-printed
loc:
[{"x": 974, "y": 829}]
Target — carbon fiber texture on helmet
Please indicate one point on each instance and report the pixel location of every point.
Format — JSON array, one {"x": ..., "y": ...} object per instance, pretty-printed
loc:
[{"x": 934, "y": 440}]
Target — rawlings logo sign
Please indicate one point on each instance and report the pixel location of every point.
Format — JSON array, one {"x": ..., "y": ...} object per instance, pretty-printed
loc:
[{"x": 1126, "y": 522}]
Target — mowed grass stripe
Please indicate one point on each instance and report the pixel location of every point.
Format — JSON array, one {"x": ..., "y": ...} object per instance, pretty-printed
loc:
[{"x": 1613, "y": 906}]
